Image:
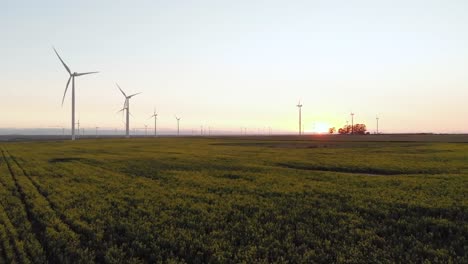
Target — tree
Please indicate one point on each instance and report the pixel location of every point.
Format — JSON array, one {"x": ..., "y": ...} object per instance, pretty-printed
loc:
[
  {"x": 331, "y": 130},
  {"x": 345, "y": 130},
  {"x": 359, "y": 129}
]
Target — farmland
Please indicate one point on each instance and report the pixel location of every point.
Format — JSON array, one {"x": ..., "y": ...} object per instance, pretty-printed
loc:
[{"x": 230, "y": 200}]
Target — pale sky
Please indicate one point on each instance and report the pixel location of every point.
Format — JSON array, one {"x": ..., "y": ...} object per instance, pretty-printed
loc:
[{"x": 232, "y": 64}]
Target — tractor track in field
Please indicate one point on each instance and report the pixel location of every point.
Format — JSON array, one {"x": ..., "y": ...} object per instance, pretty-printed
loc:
[
  {"x": 4, "y": 185},
  {"x": 42, "y": 193},
  {"x": 11, "y": 237},
  {"x": 4, "y": 251},
  {"x": 35, "y": 224},
  {"x": 4, "y": 254},
  {"x": 1, "y": 182},
  {"x": 84, "y": 235}
]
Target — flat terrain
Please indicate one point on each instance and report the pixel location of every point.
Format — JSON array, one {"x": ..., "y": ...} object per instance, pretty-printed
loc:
[{"x": 228, "y": 200}]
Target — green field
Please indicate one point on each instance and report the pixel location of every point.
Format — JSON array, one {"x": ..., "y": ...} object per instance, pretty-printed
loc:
[{"x": 227, "y": 200}]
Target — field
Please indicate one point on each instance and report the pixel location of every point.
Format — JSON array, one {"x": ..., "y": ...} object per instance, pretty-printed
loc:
[{"x": 231, "y": 200}]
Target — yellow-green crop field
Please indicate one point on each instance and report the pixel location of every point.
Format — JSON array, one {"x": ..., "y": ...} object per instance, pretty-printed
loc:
[{"x": 227, "y": 200}]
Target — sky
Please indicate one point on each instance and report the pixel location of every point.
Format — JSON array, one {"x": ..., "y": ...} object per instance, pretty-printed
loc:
[{"x": 232, "y": 64}]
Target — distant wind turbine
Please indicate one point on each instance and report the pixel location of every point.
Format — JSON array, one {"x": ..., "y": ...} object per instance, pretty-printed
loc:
[
  {"x": 178, "y": 127},
  {"x": 78, "y": 127},
  {"x": 155, "y": 115},
  {"x": 352, "y": 123},
  {"x": 299, "y": 105},
  {"x": 71, "y": 78},
  {"x": 377, "y": 118},
  {"x": 126, "y": 107}
]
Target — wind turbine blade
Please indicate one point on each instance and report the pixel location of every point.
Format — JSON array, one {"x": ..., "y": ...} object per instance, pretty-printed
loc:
[
  {"x": 122, "y": 110},
  {"x": 64, "y": 65},
  {"x": 121, "y": 90},
  {"x": 133, "y": 95},
  {"x": 85, "y": 73},
  {"x": 66, "y": 88}
]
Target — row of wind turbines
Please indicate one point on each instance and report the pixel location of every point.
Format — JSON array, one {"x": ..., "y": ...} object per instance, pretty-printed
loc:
[{"x": 126, "y": 106}]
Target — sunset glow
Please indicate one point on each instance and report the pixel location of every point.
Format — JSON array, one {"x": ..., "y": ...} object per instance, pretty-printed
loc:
[
  {"x": 210, "y": 60},
  {"x": 319, "y": 128}
]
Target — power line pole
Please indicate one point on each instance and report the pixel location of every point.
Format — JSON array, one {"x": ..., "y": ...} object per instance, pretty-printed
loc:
[{"x": 78, "y": 130}]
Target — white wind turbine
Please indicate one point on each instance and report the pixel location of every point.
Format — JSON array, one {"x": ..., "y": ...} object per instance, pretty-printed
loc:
[
  {"x": 126, "y": 107},
  {"x": 178, "y": 121},
  {"x": 71, "y": 78},
  {"x": 299, "y": 105},
  {"x": 155, "y": 115}
]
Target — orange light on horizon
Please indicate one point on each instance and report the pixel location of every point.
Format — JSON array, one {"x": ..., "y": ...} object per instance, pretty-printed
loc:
[{"x": 318, "y": 127}]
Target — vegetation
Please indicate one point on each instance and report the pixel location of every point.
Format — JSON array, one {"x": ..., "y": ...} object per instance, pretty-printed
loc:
[
  {"x": 357, "y": 129},
  {"x": 202, "y": 200}
]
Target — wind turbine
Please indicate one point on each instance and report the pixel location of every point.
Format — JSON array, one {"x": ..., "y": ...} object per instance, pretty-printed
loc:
[
  {"x": 155, "y": 115},
  {"x": 126, "y": 106},
  {"x": 178, "y": 121},
  {"x": 299, "y": 105},
  {"x": 377, "y": 118},
  {"x": 72, "y": 79},
  {"x": 78, "y": 128}
]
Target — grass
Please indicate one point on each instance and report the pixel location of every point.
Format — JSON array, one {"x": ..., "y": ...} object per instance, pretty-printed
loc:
[{"x": 226, "y": 200}]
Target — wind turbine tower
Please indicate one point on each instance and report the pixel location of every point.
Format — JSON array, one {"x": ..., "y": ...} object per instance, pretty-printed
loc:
[
  {"x": 377, "y": 119},
  {"x": 178, "y": 127},
  {"x": 155, "y": 115},
  {"x": 352, "y": 123},
  {"x": 299, "y": 105},
  {"x": 72, "y": 79},
  {"x": 126, "y": 107}
]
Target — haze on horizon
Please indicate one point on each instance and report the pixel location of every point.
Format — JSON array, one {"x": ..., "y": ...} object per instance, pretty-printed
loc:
[{"x": 232, "y": 64}]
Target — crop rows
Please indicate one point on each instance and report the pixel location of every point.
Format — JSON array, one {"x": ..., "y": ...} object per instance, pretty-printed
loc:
[
  {"x": 221, "y": 201},
  {"x": 41, "y": 234}
]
